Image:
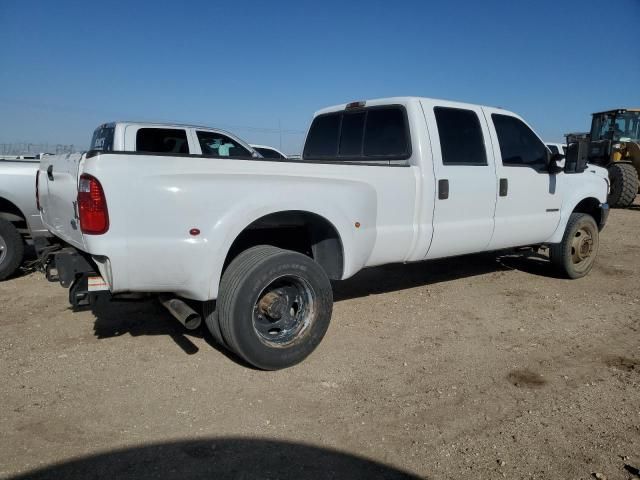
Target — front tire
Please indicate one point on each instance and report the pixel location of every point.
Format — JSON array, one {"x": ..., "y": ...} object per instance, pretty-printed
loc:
[
  {"x": 274, "y": 306},
  {"x": 11, "y": 249},
  {"x": 575, "y": 255}
]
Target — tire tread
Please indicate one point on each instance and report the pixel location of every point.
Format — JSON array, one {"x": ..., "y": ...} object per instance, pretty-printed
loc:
[
  {"x": 233, "y": 276},
  {"x": 628, "y": 178}
]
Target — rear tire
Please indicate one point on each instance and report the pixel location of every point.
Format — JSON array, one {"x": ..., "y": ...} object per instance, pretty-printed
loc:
[
  {"x": 575, "y": 255},
  {"x": 11, "y": 249},
  {"x": 274, "y": 306},
  {"x": 210, "y": 314},
  {"x": 624, "y": 184}
]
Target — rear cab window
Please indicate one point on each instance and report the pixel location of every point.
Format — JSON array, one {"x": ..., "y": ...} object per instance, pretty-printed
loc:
[
  {"x": 369, "y": 135},
  {"x": 322, "y": 141},
  {"x": 102, "y": 139}
]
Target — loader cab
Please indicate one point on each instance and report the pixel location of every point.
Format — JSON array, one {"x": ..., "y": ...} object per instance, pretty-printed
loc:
[
  {"x": 616, "y": 125},
  {"x": 614, "y": 143},
  {"x": 614, "y": 135}
]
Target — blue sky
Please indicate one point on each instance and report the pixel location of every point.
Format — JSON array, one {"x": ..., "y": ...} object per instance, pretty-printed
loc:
[{"x": 66, "y": 66}]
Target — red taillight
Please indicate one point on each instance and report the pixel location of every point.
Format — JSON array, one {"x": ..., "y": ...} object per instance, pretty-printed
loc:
[
  {"x": 92, "y": 206},
  {"x": 38, "y": 190}
]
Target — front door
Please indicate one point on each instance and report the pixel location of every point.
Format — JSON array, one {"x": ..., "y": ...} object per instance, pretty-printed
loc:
[
  {"x": 465, "y": 176},
  {"x": 529, "y": 200}
]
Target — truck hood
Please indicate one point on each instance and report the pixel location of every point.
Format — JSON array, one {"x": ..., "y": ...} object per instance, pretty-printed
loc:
[{"x": 599, "y": 171}]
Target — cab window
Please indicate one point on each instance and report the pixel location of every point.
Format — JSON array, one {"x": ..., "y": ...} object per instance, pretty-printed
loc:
[
  {"x": 519, "y": 146},
  {"x": 461, "y": 139},
  {"x": 218, "y": 145},
  {"x": 162, "y": 140},
  {"x": 268, "y": 152}
]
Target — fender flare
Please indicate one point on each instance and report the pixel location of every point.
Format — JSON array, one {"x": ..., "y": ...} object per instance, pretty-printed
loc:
[
  {"x": 356, "y": 246},
  {"x": 567, "y": 210}
]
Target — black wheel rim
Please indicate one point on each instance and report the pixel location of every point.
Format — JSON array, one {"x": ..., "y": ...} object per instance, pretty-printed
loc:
[{"x": 283, "y": 310}]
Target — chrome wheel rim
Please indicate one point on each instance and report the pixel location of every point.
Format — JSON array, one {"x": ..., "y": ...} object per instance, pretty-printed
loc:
[
  {"x": 283, "y": 310},
  {"x": 3, "y": 249}
]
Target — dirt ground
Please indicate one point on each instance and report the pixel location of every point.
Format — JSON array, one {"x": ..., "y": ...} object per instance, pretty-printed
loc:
[{"x": 484, "y": 366}]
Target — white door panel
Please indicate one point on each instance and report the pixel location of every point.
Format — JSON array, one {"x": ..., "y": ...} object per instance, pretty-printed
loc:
[
  {"x": 529, "y": 201},
  {"x": 462, "y": 222}
]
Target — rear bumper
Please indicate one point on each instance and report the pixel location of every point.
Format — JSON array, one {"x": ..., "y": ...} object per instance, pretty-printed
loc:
[
  {"x": 75, "y": 271},
  {"x": 604, "y": 215},
  {"x": 66, "y": 265}
]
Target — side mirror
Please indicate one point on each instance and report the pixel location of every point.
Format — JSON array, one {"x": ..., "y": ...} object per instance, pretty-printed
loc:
[{"x": 555, "y": 163}]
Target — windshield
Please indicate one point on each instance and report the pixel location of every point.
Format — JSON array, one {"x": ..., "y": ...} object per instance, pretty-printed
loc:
[{"x": 616, "y": 126}]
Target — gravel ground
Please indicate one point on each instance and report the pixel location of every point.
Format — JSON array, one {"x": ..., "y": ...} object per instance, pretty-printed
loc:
[{"x": 483, "y": 366}]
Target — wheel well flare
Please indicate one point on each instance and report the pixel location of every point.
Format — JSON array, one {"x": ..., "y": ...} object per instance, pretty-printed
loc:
[{"x": 303, "y": 232}]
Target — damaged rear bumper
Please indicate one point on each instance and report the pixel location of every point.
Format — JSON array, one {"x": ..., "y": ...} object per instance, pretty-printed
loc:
[{"x": 73, "y": 270}]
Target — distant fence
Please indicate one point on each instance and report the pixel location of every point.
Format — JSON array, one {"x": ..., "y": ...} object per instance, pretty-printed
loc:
[{"x": 33, "y": 148}]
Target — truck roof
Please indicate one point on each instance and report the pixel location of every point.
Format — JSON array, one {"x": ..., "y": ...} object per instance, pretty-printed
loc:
[
  {"x": 400, "y": 100},
  {"x": 617, "y": 110},
  {"x": 125, "y": 123}
]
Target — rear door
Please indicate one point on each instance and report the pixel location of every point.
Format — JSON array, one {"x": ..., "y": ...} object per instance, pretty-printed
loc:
[
  {"x": 465, "y": 175},
  {"x": 529, "y": 201}
]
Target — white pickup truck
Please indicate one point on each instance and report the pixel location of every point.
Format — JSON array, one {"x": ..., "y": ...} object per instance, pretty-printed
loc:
[
  {"x": 20, "y": 222},
  {"x": 197, "y": 218}
]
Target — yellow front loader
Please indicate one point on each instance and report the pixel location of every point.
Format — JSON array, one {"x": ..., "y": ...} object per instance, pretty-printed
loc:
[{"x": 614, "y": 142}]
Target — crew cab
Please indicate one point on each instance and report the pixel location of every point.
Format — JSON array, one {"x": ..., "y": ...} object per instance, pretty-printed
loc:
[
  {"x": 251, "y": 243},
  {"x": 160, "y": 138}
]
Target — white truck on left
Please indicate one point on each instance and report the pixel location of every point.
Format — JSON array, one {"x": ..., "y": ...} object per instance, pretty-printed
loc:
[{"x": 20, "y": 222}]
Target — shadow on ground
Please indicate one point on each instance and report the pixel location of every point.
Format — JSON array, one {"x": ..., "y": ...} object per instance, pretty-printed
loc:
[
  {"x": 389, "y": 278},
  {"x": 148, "y": 317},
  {"x": 29, "y": 264},
  {"x": 220, "y": 458}
]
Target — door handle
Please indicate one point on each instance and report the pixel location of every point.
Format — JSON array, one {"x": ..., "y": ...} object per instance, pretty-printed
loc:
[
  {"x": 504, "y": 187},
  {"x": 443, "y": 189},
  {"x": 50, "y": 172}
]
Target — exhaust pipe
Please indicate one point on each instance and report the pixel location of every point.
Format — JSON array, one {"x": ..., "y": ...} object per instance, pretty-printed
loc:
[{"x": 186, "y": 315}]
